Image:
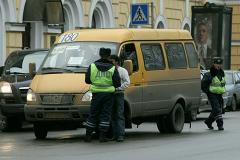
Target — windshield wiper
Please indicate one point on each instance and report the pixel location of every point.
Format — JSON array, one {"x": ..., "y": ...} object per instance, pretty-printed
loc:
[
  {"x": 55, "y": 70},
  {"x": 76, "y": 66},
  {"x": 79, "y": 68}
]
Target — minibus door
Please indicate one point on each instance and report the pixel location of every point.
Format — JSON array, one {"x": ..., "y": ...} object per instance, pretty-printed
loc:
[
  {"x": 154, "y": 79},
  {"x": 133, "y": 94}
]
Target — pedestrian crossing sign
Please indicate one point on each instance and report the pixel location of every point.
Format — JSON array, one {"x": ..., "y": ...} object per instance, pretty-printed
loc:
[{"x": 139, "y": 14}]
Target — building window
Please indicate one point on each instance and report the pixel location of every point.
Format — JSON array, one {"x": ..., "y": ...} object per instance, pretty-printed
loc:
[
  {"x": 186, "y": 27},
  {"x": 26, "y": 36},
  {"x": 93, "y": 22},
  {"x": 160, "y": 25}
]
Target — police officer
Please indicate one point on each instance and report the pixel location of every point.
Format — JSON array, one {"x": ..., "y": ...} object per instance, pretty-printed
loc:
[
  {"x": 215, "y": 84},
  {"x": 104, "y": 78}
]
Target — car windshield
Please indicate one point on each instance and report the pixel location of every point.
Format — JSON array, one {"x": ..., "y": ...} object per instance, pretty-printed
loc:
[
  {"x": 229, "y": 78},
  {"x": 20, "y": 64},
  {"x": 74, "y": 56}
]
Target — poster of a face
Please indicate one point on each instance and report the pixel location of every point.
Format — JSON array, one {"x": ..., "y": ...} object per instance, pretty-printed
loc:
[{"x": 205, "y": 37}]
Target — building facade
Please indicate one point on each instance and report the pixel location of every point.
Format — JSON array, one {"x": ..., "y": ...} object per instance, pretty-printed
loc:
[{"x": 15, "y": 33}]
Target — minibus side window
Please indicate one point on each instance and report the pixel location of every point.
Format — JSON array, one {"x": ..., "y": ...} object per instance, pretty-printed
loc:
[
  {"x": 128, "y": 52},
  {"x": 176, "y": 55},
  {"x": 192, "y": 55},
  {"x": 152, "y": 56}
]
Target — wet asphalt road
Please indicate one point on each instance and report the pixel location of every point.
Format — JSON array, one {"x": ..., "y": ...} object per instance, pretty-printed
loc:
[{"x": 142, "y": 143}]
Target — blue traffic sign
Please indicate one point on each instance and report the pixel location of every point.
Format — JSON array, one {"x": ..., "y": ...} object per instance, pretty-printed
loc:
[{"x": 139, "y": 14}]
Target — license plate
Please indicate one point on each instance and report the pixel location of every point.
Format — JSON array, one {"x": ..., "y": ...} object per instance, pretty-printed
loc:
[
  {"x": 57, "y": 99},
  {"x": 56, "y": 115}
]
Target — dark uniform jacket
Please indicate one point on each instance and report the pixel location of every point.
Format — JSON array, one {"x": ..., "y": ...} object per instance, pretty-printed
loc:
[
  {"x": 207, "y": 78},
  {"x": 104, "y": 65}
]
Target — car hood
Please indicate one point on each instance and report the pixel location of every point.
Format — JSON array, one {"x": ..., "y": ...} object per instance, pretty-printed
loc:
[
  {"x": 16, "y": 78},
  {"x": 59, "y": 83}
]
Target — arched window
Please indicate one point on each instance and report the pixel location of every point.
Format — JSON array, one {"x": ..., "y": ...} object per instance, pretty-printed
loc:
[
  {"x": 96, "y": 19},
  {"x": 100, "y": 14},
  {"x": 160, "y": 25},
  {"x": 93, "y": 22},
  {"x": 186, "y": 24},
  {"x": 160, "y": 22},
  {"x": 186, "y": 27}
]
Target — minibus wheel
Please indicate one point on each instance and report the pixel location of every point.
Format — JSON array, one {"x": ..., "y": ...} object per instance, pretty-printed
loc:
[
  {"x": 40, "y": 131},
  {"x": 176, "y": 119},
  {"x": 162, "y": 125}
]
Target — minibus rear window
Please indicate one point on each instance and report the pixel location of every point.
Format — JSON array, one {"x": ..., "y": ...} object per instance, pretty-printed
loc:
[{"x": 192, "y": 55}]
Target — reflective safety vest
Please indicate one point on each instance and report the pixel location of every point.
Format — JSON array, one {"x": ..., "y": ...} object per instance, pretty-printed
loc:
[
  {"x": 217, "y": 86},
  {"x": 101, "y": 81}
]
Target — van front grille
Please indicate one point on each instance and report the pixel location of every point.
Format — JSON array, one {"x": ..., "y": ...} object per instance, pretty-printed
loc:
[{"x": 57, "y": 99}]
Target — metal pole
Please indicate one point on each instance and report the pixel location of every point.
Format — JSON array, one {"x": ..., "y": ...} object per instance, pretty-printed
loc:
[{"x": 152, "y": 15}]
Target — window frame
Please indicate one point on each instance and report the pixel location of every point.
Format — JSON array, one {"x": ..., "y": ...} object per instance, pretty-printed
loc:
[{"x": 121, "y": 52}]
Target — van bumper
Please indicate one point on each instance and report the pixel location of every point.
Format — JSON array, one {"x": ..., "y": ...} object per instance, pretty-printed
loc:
[
  {"x": 49, "y": 113},
  {"x": 12, "y": 110}
]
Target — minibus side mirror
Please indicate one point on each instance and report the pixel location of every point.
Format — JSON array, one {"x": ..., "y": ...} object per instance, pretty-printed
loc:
[
  {"x": 32, "y": 69},
  {"x": 1, "y": 70},
  {"x": 127, "y": 64}
]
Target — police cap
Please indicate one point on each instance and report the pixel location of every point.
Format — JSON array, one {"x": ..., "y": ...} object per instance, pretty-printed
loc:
[
  {"x": 104, "y": 52},
  {"x": 217, "y": 60}
]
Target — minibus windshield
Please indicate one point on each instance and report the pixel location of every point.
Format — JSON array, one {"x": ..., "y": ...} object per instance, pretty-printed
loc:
[{"x": 75, "y": 56}]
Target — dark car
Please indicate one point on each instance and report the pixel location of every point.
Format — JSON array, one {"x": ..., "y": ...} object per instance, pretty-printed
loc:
[
  {"x": 14, "y": 84},
  {"x": 233, "y": 89}
]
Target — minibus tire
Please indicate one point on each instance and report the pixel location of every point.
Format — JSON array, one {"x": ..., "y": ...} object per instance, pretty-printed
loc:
[
  {"x": 40, "y": 131},
  {"x": 176, "y": 119},
  {"x": 162, "y": 125}
]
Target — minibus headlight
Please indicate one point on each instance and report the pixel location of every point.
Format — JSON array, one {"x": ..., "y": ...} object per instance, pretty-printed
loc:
[
  {"x": 31, "y": 96},
  {"x": 87, "y": 96},
  {"x": 5, "y": 88}
]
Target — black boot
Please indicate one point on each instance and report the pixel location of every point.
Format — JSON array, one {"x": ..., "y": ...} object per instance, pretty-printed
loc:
[
  {"x": 103, "y": 137},
  {"x": 209, "y": 124},
  {"x": 220, "y": 128},
  {"x": 220, "y": 124},
  {"x": 88, "y": 136}
]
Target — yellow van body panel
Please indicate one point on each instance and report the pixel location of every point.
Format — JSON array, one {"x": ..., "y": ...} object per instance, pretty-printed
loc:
[
  {"x": 122, "y": 35},
  {"x": 59, "y": 83}
]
